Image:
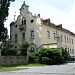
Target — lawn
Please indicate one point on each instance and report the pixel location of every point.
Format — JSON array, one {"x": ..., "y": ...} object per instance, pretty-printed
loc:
[
  {"x": 19, "y": 67},
  {"x": 10, "y": 69}
]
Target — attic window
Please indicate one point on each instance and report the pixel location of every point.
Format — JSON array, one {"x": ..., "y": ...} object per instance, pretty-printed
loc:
[{"x": 32, "y": 21}]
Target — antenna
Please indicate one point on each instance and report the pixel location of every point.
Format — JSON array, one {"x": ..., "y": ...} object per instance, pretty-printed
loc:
[{"x": 14, "y": 15}]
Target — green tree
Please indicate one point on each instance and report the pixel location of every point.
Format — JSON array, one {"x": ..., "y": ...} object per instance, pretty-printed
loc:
[
  {"x": 6, "y": 49},
  {"x": 4, "y": 7},
  {"x": 24, "y": 46}
]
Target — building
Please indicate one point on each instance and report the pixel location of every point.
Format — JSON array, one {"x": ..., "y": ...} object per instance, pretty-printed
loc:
[{"x": 39, "y": 32}]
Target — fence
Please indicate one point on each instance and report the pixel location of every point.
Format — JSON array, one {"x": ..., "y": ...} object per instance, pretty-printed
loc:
[{"x": 9, "y": 60}]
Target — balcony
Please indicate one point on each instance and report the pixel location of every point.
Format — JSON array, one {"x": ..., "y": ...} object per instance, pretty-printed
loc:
[{"x": 22, "y": 27}]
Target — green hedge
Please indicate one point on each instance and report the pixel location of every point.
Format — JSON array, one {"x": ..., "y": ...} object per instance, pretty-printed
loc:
[
  {"x": 49, "y": 56},
  {"x": 9, "y": 52}
]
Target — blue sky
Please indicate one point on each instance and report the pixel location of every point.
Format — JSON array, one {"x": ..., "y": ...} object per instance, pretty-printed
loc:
[{"x": 59, "y": 11}]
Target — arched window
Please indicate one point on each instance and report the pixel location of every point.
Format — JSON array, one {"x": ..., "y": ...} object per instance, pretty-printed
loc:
[{"x": 23, "y": 21}]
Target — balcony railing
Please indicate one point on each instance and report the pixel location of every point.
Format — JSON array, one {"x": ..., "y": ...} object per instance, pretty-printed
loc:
[{"x": 22, "y": 27}]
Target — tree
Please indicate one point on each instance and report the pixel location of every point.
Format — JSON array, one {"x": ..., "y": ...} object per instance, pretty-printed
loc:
[
  {"x": 6, "y": 49},
  {"x": 24, "y": 46},
  {"x": 4, "y": 7}
]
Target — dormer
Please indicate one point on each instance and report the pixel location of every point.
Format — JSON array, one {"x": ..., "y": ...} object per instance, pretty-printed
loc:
[{"x": 24, "y": 8}]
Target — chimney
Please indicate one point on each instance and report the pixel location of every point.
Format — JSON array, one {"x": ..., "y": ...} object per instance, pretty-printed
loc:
[
  {"x": 48, "y": 21},
  {"x": 59, "y": 26}
]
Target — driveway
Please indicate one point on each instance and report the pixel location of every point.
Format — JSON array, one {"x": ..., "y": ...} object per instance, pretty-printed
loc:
[{"x": 65, "y": 69}]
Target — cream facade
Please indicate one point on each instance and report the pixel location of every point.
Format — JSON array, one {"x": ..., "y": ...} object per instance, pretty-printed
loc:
[{"x": 39, "y": 32}]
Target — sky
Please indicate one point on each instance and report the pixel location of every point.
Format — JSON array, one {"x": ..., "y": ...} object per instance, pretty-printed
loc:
[{"x": 59, "y": 11}]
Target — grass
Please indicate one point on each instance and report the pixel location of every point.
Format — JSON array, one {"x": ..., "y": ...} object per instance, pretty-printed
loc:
[
  {"x": 10, "y": 69},
  {"x": 19, "y": 66},
  {"x": 32, "y": 65}
]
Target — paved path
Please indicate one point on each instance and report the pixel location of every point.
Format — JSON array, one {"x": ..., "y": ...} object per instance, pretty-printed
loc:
[{"x": 65, "y": 69}]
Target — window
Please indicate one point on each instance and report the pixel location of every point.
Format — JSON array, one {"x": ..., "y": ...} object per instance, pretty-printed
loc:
[
  {"x": 10, "y": 37},
  {"x": 65, "y": 38},
  {"x": 23, "y": 21},
  {"x": 16, "y": 38},
  {"x": 32, "y": 34},
  {"x": 62, "y": 38},
  {"x": 48, "y": 34},
  {"x": 72, "y": 41},
  {"x": 23, "y": 36},
  {"x": 32, "y": 21},
  {"x": 68, "y": 50},
  {"x": 54, "y": 35},
  {"x": 72, "y": 51}
]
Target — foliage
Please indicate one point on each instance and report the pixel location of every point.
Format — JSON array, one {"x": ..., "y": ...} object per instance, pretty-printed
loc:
[
  {"x": 4, "y": 7},
  {"x": 24, "y": 46},
  {"x": 65, "y": 54},
  {"x": 50, "y": 56},
  {"x": 9, "y": 52},
  {"x": 5, "y": 49}
]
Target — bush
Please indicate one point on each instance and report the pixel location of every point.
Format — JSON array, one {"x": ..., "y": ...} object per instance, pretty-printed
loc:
[
  {"x": 65, "y": 54},
  {"x": 9, "y": 52},
  {"x": 24, "y": 46},
  {"x": 49, "y": 56}
]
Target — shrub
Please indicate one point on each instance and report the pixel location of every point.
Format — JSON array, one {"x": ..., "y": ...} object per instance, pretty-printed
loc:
[
  {"x": 24, "y": 46},
  {"x": 65, "y": 54},
  {"x": 48, "y": 56},
  {"x": 9, "y": 52}
]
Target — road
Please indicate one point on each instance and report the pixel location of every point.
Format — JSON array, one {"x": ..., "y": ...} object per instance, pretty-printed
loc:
[{"x": 65, "y": 69}]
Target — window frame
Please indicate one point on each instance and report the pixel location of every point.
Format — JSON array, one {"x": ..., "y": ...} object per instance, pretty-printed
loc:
[
  {"x": 23, "y": 35},
  {"x": 32, "y": 34},
  {"x": 48, "y": 34},
  {"x": 16, "y": 37}
]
